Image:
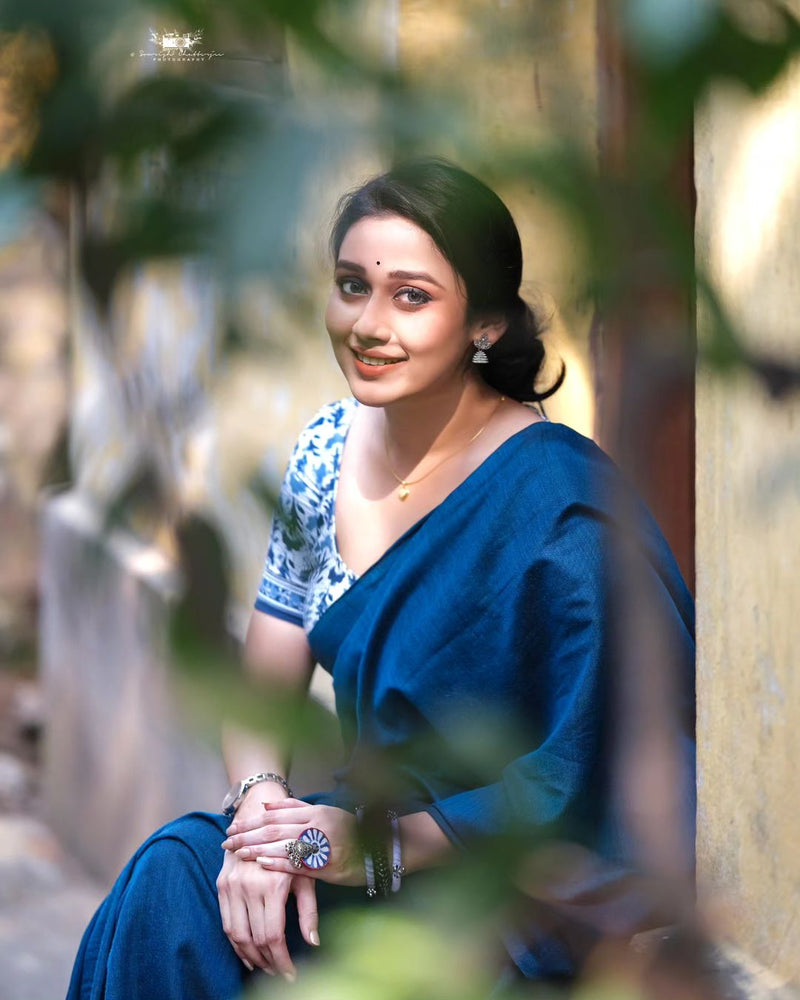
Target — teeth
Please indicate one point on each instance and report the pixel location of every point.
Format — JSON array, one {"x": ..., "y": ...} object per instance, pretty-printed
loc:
[{"x": 377, "y": 362}]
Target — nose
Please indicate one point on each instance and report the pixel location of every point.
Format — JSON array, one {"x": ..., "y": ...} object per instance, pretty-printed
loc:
[{"x": 370, "y": 324}]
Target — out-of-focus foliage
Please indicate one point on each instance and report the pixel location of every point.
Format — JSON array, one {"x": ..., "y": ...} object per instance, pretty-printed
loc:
[
  {"x": 235, "y": 163},
  {"x": 200, "y": 166}
]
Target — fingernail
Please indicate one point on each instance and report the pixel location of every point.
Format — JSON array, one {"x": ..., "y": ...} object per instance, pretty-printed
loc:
[
  {"x": 290, "y": 977},
  {"x": 247, "y": 964},
  {"x": 226, "y": 844},
  {"x": 314, "y": 937},
  {"x": 242, "y": 852},
  {"x": 265, "y": 861}
]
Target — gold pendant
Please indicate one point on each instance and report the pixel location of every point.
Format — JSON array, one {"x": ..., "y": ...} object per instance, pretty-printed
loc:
[{"x": 403, "y": 492}]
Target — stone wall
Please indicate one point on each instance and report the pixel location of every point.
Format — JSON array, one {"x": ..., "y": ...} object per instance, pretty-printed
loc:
[
  {"x": 33, "y": 403},
  {"x": 117, "y": 765},
  {"x": 748, "y": 526}
]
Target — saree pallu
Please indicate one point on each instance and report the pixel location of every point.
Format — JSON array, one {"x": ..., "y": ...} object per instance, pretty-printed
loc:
[
  {"x": 491, "y": 623},
  {"x": 474, "y": 669}
]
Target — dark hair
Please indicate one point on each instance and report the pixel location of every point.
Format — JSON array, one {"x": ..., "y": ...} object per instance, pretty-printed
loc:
[{"x": 475, "y": 232}]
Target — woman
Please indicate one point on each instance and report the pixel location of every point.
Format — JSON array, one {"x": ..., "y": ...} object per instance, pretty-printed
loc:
[{"x": 445, "y": 552}]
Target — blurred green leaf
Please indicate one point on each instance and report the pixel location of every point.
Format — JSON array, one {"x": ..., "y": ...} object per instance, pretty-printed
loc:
[{"x": 663, "y": 32}]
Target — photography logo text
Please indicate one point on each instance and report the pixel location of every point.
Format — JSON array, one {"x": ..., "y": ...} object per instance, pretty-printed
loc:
[{"x": 176, "y": 46}]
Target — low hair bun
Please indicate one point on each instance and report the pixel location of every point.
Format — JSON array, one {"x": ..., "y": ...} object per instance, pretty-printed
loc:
[{"x": 517, "y": 357}]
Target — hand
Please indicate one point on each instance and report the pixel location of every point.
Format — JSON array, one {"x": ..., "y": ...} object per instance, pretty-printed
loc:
[
  {"x": 252, "y": 904},
  {"x": 264, "y": 840}
]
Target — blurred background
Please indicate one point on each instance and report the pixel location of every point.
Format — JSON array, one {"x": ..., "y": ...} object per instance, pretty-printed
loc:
[{"x": 169, "y": 174}]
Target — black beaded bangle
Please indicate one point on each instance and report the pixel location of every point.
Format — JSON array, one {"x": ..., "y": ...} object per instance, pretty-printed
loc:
[
  {"x": 378, "y": 828},
  {"x": 383, "y": 873}
]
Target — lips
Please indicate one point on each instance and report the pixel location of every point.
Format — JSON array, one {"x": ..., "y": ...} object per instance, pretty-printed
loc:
[
  {"x": 375, "y": 361},
  {"x": 373, "y": 366}
]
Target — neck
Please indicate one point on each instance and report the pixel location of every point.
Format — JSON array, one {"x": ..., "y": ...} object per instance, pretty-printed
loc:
[{"x": 433, "y": 424}]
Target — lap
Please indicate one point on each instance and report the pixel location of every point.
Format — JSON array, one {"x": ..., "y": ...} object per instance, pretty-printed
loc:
[{"x": 158, "y": 932}]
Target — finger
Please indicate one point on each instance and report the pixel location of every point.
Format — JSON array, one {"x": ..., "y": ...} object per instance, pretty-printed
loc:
[
  {"x": 315, "y": 858},
  {"x": 279, "y": 804},
  {"x": 241, "y": 937},
  {"x": 243, "y": 823},
  {"x": 240, "y": 955},
  {"x": 306, "y": 895},
  {"x": 255, "y": 918},
  {"x": 276, "y": 849},
  {"x": 285, "y": 866},
  {"x": 225, "y": 917},
  {"x": 263, "y": 835},
  {"x": 273, "y": 920},
  {"x": 271, "y": 848}
]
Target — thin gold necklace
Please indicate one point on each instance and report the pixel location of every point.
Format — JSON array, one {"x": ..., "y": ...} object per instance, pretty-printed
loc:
[{"x": 404, "y": 491}]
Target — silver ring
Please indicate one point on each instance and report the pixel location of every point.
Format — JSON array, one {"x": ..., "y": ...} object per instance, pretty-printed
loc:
[{"x": 312, "y": 849}]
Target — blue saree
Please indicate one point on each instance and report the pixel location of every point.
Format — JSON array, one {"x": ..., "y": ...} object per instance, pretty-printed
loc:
[{"x": 493, "y": 616}]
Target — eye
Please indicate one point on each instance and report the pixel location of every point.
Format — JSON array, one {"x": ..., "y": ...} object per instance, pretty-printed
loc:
[
  {"x": 413, "y": 296},
  {"x": 351, "y": 286}
]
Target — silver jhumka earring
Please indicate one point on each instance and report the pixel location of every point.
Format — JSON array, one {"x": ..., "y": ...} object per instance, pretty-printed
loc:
[{"x": 482, "y": 345}]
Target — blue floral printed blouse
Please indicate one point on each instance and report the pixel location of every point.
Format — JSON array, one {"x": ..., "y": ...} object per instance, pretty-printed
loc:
[{"x": 304, "y": 573}]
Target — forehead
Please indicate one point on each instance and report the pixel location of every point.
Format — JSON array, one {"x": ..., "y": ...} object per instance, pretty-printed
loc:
[{"x": 398, "y": 244}]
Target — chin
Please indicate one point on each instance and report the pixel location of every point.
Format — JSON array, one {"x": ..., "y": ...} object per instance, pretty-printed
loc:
[{"x": 368, "y": 395}]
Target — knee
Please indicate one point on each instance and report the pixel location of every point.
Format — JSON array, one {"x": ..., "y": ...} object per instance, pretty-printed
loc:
[
  {"x": 164, "y": 919},
  {"x": 182, "y": 859},
  {"x": 200, "y": 830}
]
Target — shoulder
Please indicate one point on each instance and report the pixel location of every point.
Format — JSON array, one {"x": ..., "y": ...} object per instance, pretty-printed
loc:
[
  {"x": 575, "y": 490},
  {"x": 559, "y": 480},
  {"x": 562, "y": 465},
  {"x": 319, "y": 443},
  {"x": 329, "y": 424}
]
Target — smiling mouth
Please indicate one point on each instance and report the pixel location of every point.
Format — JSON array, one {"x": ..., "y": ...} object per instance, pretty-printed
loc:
[{"x": 377, "y": 362}]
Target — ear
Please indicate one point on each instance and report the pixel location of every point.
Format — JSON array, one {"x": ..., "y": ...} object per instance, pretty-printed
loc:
[{"x": 492, "y": 327}]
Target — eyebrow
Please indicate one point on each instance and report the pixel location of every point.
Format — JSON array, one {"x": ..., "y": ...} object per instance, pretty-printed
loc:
[{"x": 349, "y": 265}]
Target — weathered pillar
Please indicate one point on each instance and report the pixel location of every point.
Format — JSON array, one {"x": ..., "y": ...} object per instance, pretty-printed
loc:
[{"x": 748, "y": 525}]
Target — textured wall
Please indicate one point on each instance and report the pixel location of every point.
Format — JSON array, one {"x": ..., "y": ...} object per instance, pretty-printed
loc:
[
  {"x": 116, "y": 767},
  {"x": 33, "y": 403},
  {"x": 527, "y": 72},
  {"x": 748, "y": 526}
]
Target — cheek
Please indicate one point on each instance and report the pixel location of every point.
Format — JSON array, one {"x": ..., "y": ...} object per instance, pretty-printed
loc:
[
  {"x": 444, "y": 334},
  {"x": 336, "y": 316}
]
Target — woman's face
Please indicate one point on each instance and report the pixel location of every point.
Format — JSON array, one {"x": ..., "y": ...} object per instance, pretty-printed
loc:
[{"x": 397, "y": 313}]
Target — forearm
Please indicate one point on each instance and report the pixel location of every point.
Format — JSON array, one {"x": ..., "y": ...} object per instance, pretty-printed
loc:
[
  {"x": 279, "y": 663},
  {"x": 246, "y": 754},
  {"x": 424, "y": 844}
]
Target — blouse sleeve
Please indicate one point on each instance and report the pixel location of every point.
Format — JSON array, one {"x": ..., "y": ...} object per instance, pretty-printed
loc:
[{"x": 289, "y": 563}]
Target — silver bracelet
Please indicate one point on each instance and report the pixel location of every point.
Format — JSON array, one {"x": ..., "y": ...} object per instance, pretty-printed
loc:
[
  {"x": 237, "y": 792},
  {"x": 369, "y": 867},
  {"x": 255, "y": 779},
  {"x": 398, "y": 871}
]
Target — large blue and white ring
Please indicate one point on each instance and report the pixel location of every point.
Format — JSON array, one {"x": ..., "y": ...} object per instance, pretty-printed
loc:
[{"x": 312, "y": 849}]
